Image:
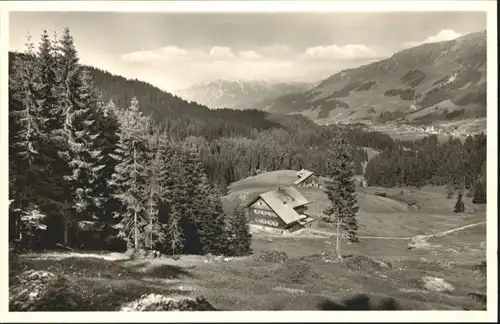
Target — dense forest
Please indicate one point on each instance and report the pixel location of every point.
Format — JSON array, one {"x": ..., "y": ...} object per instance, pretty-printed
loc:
[
  {"x": 94, "y": 156},
  {"x": 456, "y": 164}
]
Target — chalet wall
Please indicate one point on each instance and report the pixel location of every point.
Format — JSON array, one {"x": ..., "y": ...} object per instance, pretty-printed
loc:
[{"x": 259, "y": 213}]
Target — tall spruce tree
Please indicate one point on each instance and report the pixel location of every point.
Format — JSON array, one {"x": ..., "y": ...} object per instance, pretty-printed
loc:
[
  {"x": 81, "y": 153},
  {"x": 196, "y": 190},
  {"x": 239, "y": 238},
  {"x": 175, "y": 204},
  {"x": 154, "y": 190},
  {"x": 205, "y": 206},
  {"x": 211, "y": 223},
  {"x": 27, "y": 136},
  {"x": 340, "y": 190},
  {"x": 106, "y": 123},
  {"x": 172, "y": 199},
  {"x": 129, "y": 176}
]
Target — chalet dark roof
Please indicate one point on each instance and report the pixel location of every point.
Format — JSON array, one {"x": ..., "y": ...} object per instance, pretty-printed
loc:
[
  {"x": 283, "y": 202},
  {"x": 303, "y": 175}
]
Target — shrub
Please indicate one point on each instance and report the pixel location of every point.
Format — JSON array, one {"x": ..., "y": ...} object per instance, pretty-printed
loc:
[
  {"x": 481, "y": 267},
  {"x": 459, "y": 205},
  {"x": 296, "y": 272},
  {"x": 360, "y": 302},
  {"x": 271, "y": 256},
  {"x": 481, "y": 298}
]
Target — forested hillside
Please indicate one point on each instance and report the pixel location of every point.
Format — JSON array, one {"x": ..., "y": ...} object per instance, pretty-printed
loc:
[{"x": 182, "y": 118}]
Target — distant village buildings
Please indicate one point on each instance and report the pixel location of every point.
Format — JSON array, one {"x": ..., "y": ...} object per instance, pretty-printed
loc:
[{"x": 281, "y": 209}]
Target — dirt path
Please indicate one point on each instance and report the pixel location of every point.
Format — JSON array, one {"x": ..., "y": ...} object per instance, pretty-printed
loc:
[{"x": 456, "y": 229}]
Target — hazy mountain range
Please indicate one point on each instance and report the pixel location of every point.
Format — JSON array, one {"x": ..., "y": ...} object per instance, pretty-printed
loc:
[
  {"x": 239, "y": 94},
  {"x": 435, "y": 81}
]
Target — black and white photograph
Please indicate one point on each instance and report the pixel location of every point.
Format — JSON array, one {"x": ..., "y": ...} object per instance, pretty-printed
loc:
[{"x": 250, "y": 160}]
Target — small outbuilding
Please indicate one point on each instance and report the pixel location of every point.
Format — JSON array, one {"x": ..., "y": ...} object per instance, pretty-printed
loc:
[{"x": 307, "y": 179}]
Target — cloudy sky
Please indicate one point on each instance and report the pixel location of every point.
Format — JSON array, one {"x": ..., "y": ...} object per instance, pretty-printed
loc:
[{"x": 176, "y": 50}]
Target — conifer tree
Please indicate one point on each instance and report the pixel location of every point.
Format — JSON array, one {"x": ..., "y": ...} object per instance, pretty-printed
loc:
[
  {"x": 129, "y": 176},
  {"x": 479, "y": 192},
  {"x": 196, "y": 190},
  {"x": 211, "y": 224},
  {"x": 57, "y": 200},
  {"x": 459, "y": 205},
  {"x": 341, "y": 193},
  {"x": 28, "y": 134},
  {"x": 81, "y": 153},
  {"x": 205, "y": 206},
  {"x": 175, "y": 201},
  {"x": 46, "y": 66},
  {"x": 239, "y": 237},
  {"x": 106, "y": 122},
  {"x": 171, "y": 198},
  {"x": 154, "y": 191}
]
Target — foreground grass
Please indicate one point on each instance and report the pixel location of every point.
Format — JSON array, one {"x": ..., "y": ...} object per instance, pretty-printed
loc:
[{"x": 303, "y": 282}]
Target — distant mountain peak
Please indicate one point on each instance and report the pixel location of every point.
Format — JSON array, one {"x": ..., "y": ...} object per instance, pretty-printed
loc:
[{"x": 238, "y": 94}]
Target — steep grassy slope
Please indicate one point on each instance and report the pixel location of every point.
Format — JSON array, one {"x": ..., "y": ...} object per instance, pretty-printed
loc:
[
  {"x": 384, "y": 270},
  {"x": 437, "y": 81}
]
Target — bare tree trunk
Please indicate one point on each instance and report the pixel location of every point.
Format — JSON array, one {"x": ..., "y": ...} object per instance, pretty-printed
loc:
[
  {"x": 337, "y": 245},
  {"x": 136, "y": 234},
  {"x": 19, "y": 227},
  {"x": 151, "y": 222},
  {"x": 66, "y": 230},
  {"x": 136, "y": 230},
  {"x": 402, "y": 180}
]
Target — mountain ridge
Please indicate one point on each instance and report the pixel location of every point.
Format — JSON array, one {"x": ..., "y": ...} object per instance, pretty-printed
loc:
[
  {"x": 239, "y": 94},
  {"x": 433, "y": 81}
]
